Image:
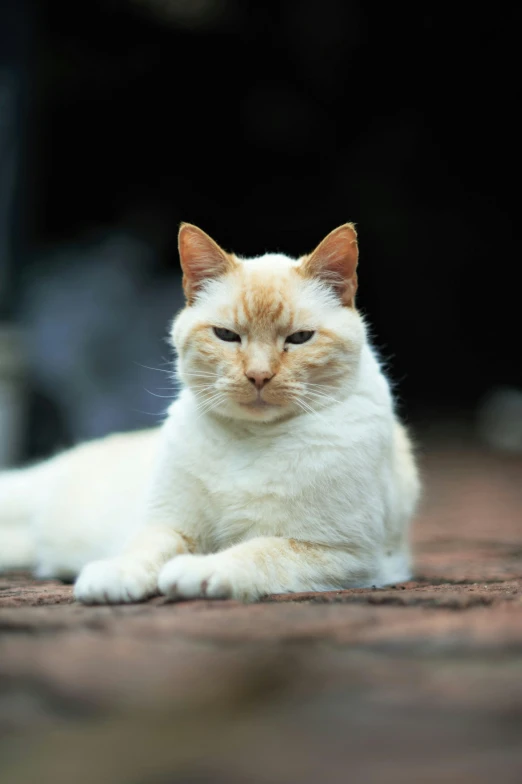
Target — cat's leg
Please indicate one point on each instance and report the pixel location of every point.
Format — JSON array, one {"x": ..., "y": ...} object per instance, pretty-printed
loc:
[
  {"x": 170, "y": 515},
  {"x": 132, "y": 576},
  {"x": 262, "y": 566}
]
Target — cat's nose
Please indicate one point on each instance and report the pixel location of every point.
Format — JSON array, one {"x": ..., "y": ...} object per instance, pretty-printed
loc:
[{"x": 259, "y": 377}]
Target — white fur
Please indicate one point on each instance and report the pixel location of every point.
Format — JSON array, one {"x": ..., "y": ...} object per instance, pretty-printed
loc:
[{"x": 215, "y": 505}]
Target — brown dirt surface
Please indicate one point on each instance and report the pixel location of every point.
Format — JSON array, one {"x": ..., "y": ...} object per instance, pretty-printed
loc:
[{"x": 419, "y": 682}]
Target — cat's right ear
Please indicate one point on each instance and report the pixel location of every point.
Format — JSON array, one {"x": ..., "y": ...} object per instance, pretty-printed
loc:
[
  {"x": 201, "y": 259},
  {"x": 334, "y": 261}
]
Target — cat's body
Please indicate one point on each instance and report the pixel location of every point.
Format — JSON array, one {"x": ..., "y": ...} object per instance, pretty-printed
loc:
[{"x": 261, "y": 480}]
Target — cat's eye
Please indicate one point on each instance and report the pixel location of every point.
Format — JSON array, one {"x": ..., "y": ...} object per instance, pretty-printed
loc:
[
  {"x": 300, "y": 337},
  {"x": 226, "y": 334}
]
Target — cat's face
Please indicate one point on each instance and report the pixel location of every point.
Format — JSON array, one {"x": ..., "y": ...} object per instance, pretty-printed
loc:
[{"x": 267, "y": 338}]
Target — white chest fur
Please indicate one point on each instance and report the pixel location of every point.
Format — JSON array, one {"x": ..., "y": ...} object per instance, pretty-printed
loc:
[{"x": 320, "y": 477}]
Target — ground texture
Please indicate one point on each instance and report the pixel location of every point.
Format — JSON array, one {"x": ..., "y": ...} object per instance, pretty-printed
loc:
[{"x": 420, "y": 682}]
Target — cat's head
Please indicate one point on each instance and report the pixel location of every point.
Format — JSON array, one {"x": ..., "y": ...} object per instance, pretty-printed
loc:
[{"x": 266, "y": 338}]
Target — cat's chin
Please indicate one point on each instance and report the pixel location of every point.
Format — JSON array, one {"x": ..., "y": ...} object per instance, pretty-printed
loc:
[{"x": 258, "y": 411}]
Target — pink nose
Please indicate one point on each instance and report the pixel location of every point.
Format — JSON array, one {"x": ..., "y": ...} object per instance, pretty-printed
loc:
[{"x": 259, "y": 377}]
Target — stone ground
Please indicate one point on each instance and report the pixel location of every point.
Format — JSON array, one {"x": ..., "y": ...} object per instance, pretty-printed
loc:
[{"x": 420, "y": 682}]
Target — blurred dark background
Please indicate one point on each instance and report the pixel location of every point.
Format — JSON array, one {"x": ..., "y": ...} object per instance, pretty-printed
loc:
[{"x": 267, "y": 124}]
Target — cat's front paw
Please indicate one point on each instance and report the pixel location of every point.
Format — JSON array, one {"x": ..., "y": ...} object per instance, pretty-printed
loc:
[
  {"x": 115, "y": 581},
  {"x": 196, "y": 577}
]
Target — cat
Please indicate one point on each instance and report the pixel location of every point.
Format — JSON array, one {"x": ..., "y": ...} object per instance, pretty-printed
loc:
[{"x": 280, "y": 467}]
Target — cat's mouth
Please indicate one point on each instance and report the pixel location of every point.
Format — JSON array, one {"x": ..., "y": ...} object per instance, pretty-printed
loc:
[{"x": 259, "y": 403}]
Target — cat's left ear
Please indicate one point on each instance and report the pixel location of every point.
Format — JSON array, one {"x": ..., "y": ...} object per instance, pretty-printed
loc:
[
  {"x": 201, "y": 259},
  {"x": 334, "y": 261}
]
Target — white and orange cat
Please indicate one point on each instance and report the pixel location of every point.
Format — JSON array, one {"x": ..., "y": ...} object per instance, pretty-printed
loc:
[{"x": 280, "y": 467}]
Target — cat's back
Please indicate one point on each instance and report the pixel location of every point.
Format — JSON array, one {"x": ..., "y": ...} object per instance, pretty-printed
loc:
[
  {"x": 102, "y": 458},
  {"x": 92, "y": 499}
]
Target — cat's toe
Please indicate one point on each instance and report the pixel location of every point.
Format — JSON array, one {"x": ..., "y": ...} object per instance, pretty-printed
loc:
[
  {"x": 114, "y": 581},
  {"x": 194, "y": 577}
]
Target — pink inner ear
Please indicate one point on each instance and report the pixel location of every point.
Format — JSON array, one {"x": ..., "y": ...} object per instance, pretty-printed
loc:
[
  {"x": 334, "y": 261},
  {"x": 201, "y": 259}
]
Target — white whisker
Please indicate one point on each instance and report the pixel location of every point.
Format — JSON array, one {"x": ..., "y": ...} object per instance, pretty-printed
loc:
[
  {"x": 312, "y": 384},
  {"x": 200, "y": 389},
  {"x": 319, "y": 387},
  {"x": 322, "y": 395},
  {"x": 213, "y": 403},
  {"x": 149, "y": 413},
  {"x": 163, "y": 397},
  {"x": 159, "y": 370},
  {"x": 207, "y": 375},
  {"x": 309, "y": 410},
  {"x": 203, "y": 398}
]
